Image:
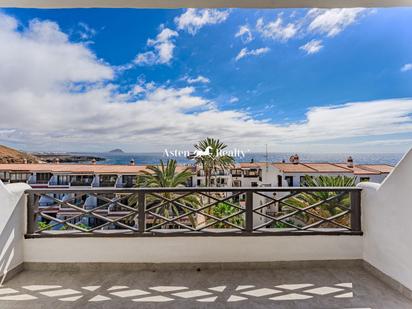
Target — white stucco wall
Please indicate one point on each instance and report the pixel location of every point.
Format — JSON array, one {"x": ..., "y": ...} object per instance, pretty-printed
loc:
[
  {"x": 387, "y": 225},
  {"x": 12, "y": 225},
  {"x": 193, "y": 249}
]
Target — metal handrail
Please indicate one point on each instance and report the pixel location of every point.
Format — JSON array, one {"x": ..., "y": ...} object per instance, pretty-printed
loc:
[
  {"x": 194, "y": 189},
  {"x": 147, "y": 219}
]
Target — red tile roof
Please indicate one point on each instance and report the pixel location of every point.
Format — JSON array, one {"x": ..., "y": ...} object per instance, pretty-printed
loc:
[
  {"x": 364, "y": 169},
  {"x": 252, "y": 165},
  {"x": 78, "y": 168},
  {"x": 294, "y": 168}
]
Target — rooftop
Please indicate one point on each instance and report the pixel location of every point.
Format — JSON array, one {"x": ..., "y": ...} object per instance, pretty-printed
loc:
[
  {"x": 361, "y": 169},
  {"x": 133, "y": 169}
]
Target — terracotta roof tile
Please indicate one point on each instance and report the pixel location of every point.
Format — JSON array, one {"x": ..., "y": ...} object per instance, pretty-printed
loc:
[
  {"x": 78, "y": 168},
  {"x": 364, "y": 169},
  {"x": 328, "y": 168},
  {"x": 294, "y": 168},
  {"x": 252, "y": 165}
]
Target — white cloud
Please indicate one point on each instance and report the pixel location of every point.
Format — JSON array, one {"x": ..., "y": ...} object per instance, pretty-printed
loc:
[
  {"x": 65, "y": 102},
  {"x": 276, "y": 29},
  {"x": 163, "y": 47},
  {"x": 233, "y": 100},
  {"x": 41, "y": 57},
  {"x": 406, "y": 67},
  {"x": 253, "y": 52},
  {"x": 199, "y": 79},
  {"x": 245, "y": 34},
  {"x": 323, "y": 22},
  {"x": 333, "y": 21},
  {"x": 312, "y": 47},
  {"x": 86, "y": 32},
  {"x": 194, "y": 19}
]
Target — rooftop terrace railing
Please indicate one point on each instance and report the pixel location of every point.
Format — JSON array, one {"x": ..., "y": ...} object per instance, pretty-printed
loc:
[{"x": 193, "y": 211}]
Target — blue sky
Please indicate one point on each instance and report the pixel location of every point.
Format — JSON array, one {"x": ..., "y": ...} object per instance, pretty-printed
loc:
[{"x": 298, "y": 80}]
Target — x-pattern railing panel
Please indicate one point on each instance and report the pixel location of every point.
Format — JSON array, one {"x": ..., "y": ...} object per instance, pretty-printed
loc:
[
  {"x": 82, "y": 212},
  {"x": 193, "y": 211},
  {"x": 310, "y": 210}
]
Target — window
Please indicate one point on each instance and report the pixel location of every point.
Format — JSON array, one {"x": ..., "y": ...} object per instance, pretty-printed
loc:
[
  {"x": 81, "y": 180},
  {"x": 279, "y": 180},
  {"x": 289, "y": 180},
  {"x": 43, "y": 177},
  {"x": 4, "y": 176},
  {"x": 364, "y": 179},
  {"x": 129, "y": 180},
  {"x": 254, "y": 184},
  {"x": 19, "y": 177},
  {"x": 199, "y": 182},
  {"x": 251, "y": 173},
  {"x": 107, "y": 180},
  {"x": 236, "y": 172},
  {"x": 63, "y": 180}
]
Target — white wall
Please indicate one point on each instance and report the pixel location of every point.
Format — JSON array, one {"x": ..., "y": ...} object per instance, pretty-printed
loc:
[
  {"x": 387, "y": 223},
  {"x": 12, "y": 225},
  {"x": 193, "y": 249}
]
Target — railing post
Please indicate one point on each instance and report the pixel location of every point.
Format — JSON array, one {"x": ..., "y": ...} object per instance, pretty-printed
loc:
[
  {"x": 355, "y": 204},
  {"x": 141, "y": 204},
  {"x": 31, "y": 217},
  {"x": 249, "y": 211}
]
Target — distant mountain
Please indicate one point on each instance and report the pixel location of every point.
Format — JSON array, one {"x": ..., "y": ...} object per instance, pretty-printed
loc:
[
  {"x": 10, "y": 155},
  {"x": 117, "y": 150}
]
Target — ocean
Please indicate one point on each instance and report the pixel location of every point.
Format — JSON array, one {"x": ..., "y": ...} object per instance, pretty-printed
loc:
[{"x": 153, "y": 158}]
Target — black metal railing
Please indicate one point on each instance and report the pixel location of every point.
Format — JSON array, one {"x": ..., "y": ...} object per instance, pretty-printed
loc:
[{"x": 193, "y": 211}]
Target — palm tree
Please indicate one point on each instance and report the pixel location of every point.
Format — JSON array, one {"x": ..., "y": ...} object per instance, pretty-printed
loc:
[
  {"x": 211, "y": 163},
  {"x": 337, "y": 204},
  {"x": 166, "y": 176},
  {"x": 223, "y": 210}
]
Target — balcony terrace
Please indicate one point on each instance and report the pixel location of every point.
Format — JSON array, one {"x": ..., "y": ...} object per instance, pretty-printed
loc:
[{"x": 131, "y": 252}]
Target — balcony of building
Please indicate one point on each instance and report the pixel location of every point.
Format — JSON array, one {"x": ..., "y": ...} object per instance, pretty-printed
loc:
[
  {"x": 81, "y": 180},
  {"x": 123, "y": 250}
]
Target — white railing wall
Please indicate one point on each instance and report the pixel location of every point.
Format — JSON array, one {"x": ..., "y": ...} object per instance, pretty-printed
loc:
[
  {"x": 387, "y": 223},
  {"x": 12, "y": 227}
]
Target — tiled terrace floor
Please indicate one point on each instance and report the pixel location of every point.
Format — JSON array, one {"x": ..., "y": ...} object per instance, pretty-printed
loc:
[{"x": 328, "y": 287}]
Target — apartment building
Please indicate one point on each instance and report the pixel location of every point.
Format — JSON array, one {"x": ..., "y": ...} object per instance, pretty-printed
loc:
[{"x": 251, "y": 174}]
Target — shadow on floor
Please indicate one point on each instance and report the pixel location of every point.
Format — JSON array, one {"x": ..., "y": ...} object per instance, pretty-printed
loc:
[{"x": 282, "y": 288}]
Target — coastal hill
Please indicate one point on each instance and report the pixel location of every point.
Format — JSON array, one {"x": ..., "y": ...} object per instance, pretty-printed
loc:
[
  {"x": 117, "y": 150},
  {"x": 10, "y": 155}
]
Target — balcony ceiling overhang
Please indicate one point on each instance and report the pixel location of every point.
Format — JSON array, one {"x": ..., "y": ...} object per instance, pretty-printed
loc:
[{"x": 202, "y": 3}]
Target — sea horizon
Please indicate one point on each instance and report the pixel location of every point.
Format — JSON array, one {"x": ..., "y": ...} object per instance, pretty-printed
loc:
[{"x": 155, "y": 157}]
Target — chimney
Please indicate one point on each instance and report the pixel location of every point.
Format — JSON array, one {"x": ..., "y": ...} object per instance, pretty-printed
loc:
[
  {"x": 349, "y": 162},
  {"x": 56, "y": 160},
  {"x": 252, "y": 160},
  {"x": 294, "y": 159},
  {"x": 25, "y": 161},
  {"x": 93, "y": 161},
  {"x": 132, "y": 162}
]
